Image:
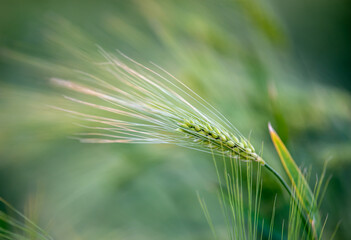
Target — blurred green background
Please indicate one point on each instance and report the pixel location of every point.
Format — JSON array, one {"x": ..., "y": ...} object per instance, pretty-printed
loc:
[{"x": 284, "y": 62}]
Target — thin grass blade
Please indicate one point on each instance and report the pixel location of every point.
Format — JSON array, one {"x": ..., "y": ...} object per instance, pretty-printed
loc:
[{"x": 302, "y": 190}]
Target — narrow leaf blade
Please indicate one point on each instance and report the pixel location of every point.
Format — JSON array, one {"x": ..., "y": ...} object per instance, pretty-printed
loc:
[{"x": 298, "y": 181}]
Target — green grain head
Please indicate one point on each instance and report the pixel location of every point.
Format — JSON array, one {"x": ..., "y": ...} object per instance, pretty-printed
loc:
[{"x": 217, "y": 139}]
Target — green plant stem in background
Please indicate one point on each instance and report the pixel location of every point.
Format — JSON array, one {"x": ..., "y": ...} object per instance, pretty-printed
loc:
[
  {"x": 305, "y": 219},
  {"x": 281, "y": 180}
]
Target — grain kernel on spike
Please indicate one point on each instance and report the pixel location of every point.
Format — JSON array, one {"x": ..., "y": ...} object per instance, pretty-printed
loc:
[
  {"x": 243, "y": 142},
  {"x": 202, "y": 133},
  {"x": 197, "y": 128},
  {"x": 180, "y": 130},
  {"x": 251, "y": 147},
  {"x": 216, "y": 130},
  {"x": 237, "y": 150},
  {"x": 214, "y": 135},
  {"x": 222, "y": 137},
  {"x": 230, "y": 144}
]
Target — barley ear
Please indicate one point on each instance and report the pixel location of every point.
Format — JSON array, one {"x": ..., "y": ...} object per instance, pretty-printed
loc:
[{"x": 216, "y": 138}]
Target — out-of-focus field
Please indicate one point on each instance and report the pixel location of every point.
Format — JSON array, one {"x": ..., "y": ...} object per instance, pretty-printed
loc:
[{"x": 255, "y": 61}]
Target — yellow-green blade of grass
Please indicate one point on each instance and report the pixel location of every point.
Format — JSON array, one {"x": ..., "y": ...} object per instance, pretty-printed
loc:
[{"x": 302, "y": 190}]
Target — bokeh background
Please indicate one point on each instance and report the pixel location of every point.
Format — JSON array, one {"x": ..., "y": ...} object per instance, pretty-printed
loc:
[{"x": 284, "y": 62}]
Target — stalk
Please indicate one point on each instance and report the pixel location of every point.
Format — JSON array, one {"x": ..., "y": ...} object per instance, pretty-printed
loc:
[
  {"x": 305, "y": 219},
  {"x": 281, "y": 180}
]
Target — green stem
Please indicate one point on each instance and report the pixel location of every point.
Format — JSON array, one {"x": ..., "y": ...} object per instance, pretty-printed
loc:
[
  {"x": 281, "y": 180},
  {"x": 285, "y": 185}
]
